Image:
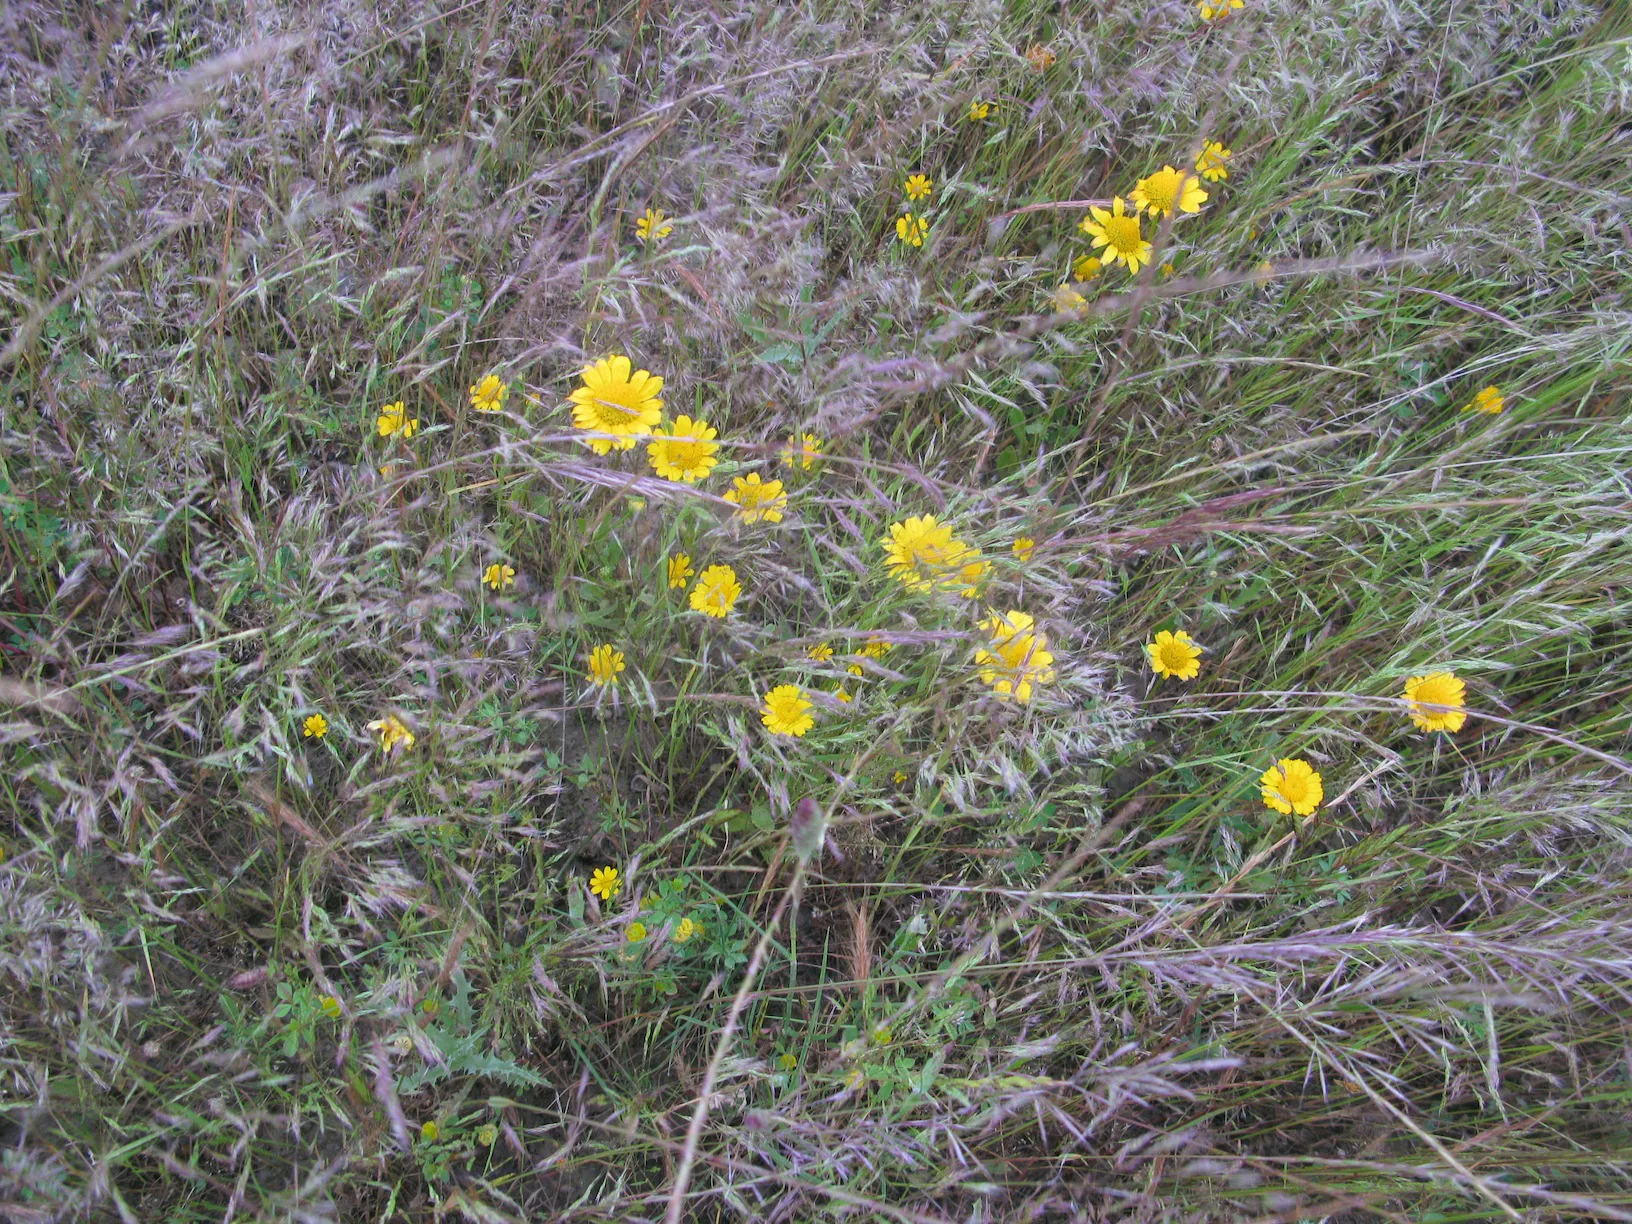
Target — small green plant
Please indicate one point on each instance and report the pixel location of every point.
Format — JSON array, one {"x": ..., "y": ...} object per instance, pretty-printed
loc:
[
  {"x": 462, "y": 1040},
  {"x": 302, "y": 1010}
]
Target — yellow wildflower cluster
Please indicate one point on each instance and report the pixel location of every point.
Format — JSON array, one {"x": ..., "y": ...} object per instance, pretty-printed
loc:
[
  {"x": 1435, "y": 701},
  {"x": 1168, "y": 192}
]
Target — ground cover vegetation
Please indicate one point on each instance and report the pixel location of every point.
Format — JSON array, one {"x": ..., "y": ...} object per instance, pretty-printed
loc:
[{"x": 830, "y": 610}]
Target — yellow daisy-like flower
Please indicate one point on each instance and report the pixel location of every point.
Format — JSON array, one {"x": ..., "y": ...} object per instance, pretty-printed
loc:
[
  {"x": 802, "y": 452},
  {"x": 883, "y": 1035},
  {"x": 605, "y": 883},
  {"x": 688, "y": 930},
  {"x": 911, "y": 230},
  {"x": 1210, "y": 162},
  {"x": 605, "y": 662},
  {"x": 1086, "y": 269},
  {"x": 1437, "y": 701},
  {"x": 1174, "y": 656},
  {"x": 1118, "y": 233},
  {"x": 487, "y": 1134},
  {"x": 680, "y": 570},
  {"x": 971, "y": 573},
  {"x": 921, "y": 553},
  {"x": 1016, "y": 658},
  {"x": 330, "y": 1006},
  {"x": 787, "y": 1062},
  {"x": 1160, "y": 193},
  {"x": 918, "y": 187},
  {"x": 978, "y": 110},
  {"x": 716, "y": 591},
  {"x": 900, "y": 777},
  {"x": 616, "y": 399},
  {"x": 756, "y": 499},
  {"x": 786, "y": 712},
  {"x": 1039, "y": 57},
  {"x": 875, "y": 648},
  {"x": 499, "y": 576},
  {"x": 1489, "y": 400},
  {"x": 1292, "y": 785},
  {"x": 821, "y": 652},
  {"x": 429, "y": 1131},
  {"x": 636, "y": 932},
  {"x": 315, "y": 726},
  {"x": 488, "y": 395},
  {"x": 394, "y": 419},
  {"x": 686, "y": 453},
  {"x": 653, "y": 227},
  {"x": 1023, "y": 547},
  {"x": 1212, "y": 10},
  {"x": 840, "y": 695},
  {"x": 1067, "y": 300},
  {"x": 393, "y": 732}
]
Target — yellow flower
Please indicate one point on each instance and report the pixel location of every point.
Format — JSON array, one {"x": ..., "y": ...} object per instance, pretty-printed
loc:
[
  {"x": 686, "y": 453},
  {"x": 616, "y": 399},
  {"x": 688, "y": 930},
  {"x": 918, "y": 187},
  {"x": 1437, "y": 701},
  {"x": 653, "y": 227},
  {"x": 394, "y": 419},
  {"x": 1266, "y": 273},
  {"x": 680, "y": 570},
  {"x": 911, "y": 230},
  {"x": 821, "y": 652},
  {"x": 1067, "y": 300},
  {"x": 1086, "y": 269},
  {"x": 604, "y": 883},
  {"x": 487, "y": 1134},
  {"x": 330, "y": 1006},
  {"x": 900, "y": 778},
  {"x": 883, "y": 1035},
  {"x": 971, "y": 573},
  {"x": 637, "y": 932},
  {"x": 1167, "y": 189},
  {"x": 393, "y": 731},
  {"x": 1174, "y": 656},
  {"x": 605, "y": 663},
  {"x": 802, "y": 452},
  {"x": 428, "y": 1131},
  {"x": 716, "y": 591},
  {"x": 499, "y": 576},
  {"x": 843, "y": 696},
  {"x": 1489, "y": 400},
  {"x": 1212, "y": 10},
  {"x": 979, "y": 110},
  {"x": 1017, "y": 658},
  {"x": 1039, "y": 57},
  {"x": 1210, "y": 162},
  {"x": 786, "y": 712},
  {"x": 1118, "y": 233},
  {"x": 1290, "y": 785},
  {"x": 875, "y": 648},
  {"x": 922, "y": 554},
  {"x": 488, "y": 395},
  {"x": 757, "y": 500},
  {"x": 787, "y": 1062},
  {"x": 1167, "y": 269},
  {"x": 1023, "y": 547},
  {"x": 315, "y": 726}
]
